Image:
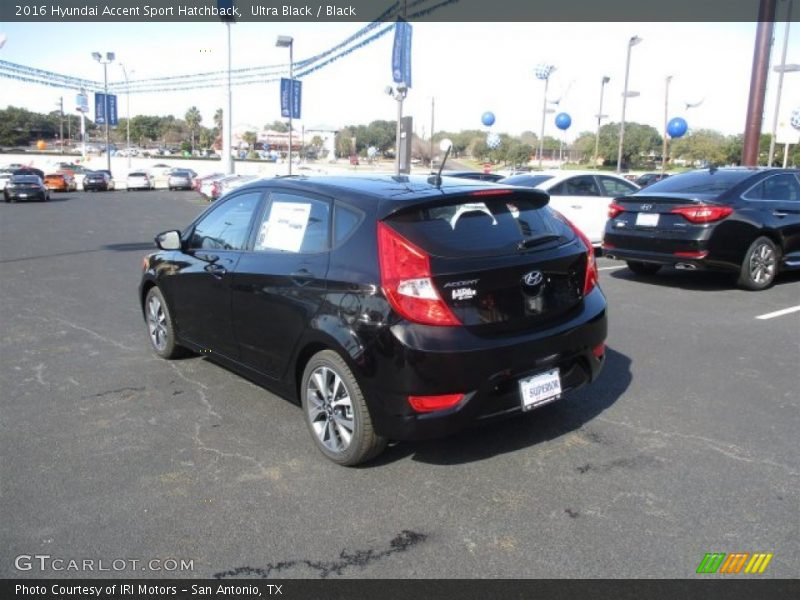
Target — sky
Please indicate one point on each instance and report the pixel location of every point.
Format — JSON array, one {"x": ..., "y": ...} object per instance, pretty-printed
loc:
[{"x": 469, "y": 68}]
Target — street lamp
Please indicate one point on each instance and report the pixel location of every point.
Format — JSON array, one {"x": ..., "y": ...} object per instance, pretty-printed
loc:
[
  {"x": 399, "y": 94},
  {"x": 666, "y": 121},
  {"x": 543, "y": 72},
  {"x": 286, "y": 41},
  {"x": 781, "y": 69},
  {"x": 631, "y": 43},
  {"x": 600, "y": 117},
  {"x": 127, "y": 113},
  {"x": 105, "y": 61}
]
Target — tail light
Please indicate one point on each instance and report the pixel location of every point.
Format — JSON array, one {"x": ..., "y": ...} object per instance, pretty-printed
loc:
[
  {"x": 703, "y": 213},
  {"x": 407, "y": 282},
  {"x": 698, "y": 254},
  {"x": 592, "y": 275},
  {"x": 432, "y": 403},
  {"x": 614, "y": 210}
]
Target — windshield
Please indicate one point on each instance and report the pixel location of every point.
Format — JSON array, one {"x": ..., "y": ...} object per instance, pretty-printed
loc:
[
  {"x": 711, "y": 181},
  {"x": 480, "y": 226}
]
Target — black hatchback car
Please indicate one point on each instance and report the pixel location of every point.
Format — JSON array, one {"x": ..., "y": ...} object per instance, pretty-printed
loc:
[
  {"x": 742, "y": 220},
  {"x": 390, "y": 307}
]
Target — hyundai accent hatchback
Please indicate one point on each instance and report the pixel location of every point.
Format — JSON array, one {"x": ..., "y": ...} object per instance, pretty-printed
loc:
[{"x": 390, "y": 308}]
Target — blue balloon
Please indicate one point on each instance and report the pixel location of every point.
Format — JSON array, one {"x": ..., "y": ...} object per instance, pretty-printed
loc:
[
  {"x": 677, "y": 127},
  {"x": 563, "y": 121},
  {"x": 487, "y": 118}
]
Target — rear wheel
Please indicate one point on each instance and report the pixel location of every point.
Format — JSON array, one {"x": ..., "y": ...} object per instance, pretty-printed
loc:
[
  {"x": 760, "y": 265},
  {"x": 336, "y": 412},
  {"x": 160, "y": 327},
  {"x": 643, "y": 268}
]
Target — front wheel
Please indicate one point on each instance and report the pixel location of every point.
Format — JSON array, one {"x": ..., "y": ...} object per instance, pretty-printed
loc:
[
  {"x": 643, "y": 268},
  {"x": 336, "y": 412},
  {"x": 160, "y": 327},
  {"x": 760, "y": 265}
]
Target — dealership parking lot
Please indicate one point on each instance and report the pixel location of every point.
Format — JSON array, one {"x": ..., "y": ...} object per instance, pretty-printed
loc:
[{"x": 687, "y": 443}]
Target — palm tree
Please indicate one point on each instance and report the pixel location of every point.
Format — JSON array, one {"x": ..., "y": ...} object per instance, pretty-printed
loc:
[
  {"x": 193, "y": 119},
  {"x": 218, "y": 120}
]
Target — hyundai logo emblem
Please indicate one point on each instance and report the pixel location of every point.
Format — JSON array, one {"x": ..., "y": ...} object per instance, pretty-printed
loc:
[
  {"x": 533, "y": 278},
  {"x": 646, "y": 207}
]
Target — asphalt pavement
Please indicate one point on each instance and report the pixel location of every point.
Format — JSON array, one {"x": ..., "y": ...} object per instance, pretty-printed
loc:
[{"x": 687, "y": 443}]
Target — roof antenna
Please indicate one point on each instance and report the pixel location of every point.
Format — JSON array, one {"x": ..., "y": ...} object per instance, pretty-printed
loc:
[{"x": 445, "y": 145}]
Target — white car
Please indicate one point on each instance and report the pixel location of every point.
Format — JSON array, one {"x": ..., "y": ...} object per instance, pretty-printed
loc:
[
  {"x": 4, "y": 177},
  {"x": 139, "y": 180},
  {"x": 582, "y": 197}
]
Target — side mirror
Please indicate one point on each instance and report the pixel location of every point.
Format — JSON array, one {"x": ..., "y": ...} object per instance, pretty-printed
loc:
[{"x": 169, "y": 240}]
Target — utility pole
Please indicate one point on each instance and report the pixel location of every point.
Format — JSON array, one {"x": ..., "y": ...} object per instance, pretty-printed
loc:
[
  {"x": 666, "y": 121},
  {"x": 433, "y": 101},
  {"x": 758, "y": 82},
  {"x": 61, "y": 122}
]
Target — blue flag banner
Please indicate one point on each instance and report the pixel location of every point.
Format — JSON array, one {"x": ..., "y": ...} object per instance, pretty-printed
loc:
[
  {"x": 291, "y": 97},
  {"x": 112, "y": 109},
  {"x": 99, "y": 108},
  {"x": 401, "y": 54}
]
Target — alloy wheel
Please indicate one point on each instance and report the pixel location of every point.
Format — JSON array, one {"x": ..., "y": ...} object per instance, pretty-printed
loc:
[
  {"x": 330, "y": 409},
  {"x": 157, "y": 323},
  {"x": 762, "y": 264}
]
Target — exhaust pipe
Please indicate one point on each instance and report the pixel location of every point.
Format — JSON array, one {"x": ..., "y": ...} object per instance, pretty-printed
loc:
[{"x": 686, "y": 266}]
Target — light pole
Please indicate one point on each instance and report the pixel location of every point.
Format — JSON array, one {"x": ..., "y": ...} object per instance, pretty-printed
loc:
[
  {"x": 286, "y": 41},
  {"x": 781, "y": 69},
  {"x": 543, "y": 72},
  {"x": 600, "y": 116},
  {"x": 105, "y": 61},
  {"x": 631, "y": 43},
  {"x": 398, "y": 94},
  {"x": 127, "y": 113},
  {"x": 666, "y": 121}
]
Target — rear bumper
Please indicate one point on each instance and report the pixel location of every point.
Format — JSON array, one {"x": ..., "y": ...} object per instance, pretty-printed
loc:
[{"x": 486, "y": 371}]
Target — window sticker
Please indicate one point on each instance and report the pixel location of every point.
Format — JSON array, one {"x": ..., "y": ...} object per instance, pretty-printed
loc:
[{"x": 285, "y": 228}]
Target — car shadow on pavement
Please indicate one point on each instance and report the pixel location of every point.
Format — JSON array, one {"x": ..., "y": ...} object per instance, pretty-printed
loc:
[
  {"x": 548, "y": 423},
  {"x": 699, "y": 281},
  {"x": 131, "y": 246}
]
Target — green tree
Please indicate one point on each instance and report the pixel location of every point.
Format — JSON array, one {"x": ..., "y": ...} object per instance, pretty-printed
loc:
[
  {"x": 640, "y": 141},
  {"x": 583, "y": 147},
  {"x": 278, "y": 126},
  {"x": 193, "y": 119},
  {"x": 145, "y": 128},
  {"x": 250, "y": 138}
]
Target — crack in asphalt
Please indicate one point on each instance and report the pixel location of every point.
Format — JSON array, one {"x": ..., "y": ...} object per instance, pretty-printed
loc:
[{"x": 360, "y": 558}]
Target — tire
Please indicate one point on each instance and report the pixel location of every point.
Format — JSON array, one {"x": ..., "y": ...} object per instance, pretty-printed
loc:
[
  {"x": 643, "y": 268},
  {"x": 760, "y": 265},
  {"x": 330, "y": 394},
  {"x": 160, "y": 327}
]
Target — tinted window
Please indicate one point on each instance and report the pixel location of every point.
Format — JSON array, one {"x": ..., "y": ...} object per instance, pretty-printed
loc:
[
  {"x": 294, "y": 223},
  {"x": 526, "y": 180},
  {"x": 226, "y": 227},
  {"x": 777, "y": 187},
  {"x": 346, "y": 219},
  {"x": 475, "y": 226},
  {"x": 25, "y": 179},
  {"x": 137, "y": 174},
  {"x": 583, "y": 185},
  {"x": 615, "y": 187},
  {"x": 712, "y": 181}
]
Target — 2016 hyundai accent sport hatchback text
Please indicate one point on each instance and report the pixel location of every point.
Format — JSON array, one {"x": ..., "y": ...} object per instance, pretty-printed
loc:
[{"x": 391, "y": 308}]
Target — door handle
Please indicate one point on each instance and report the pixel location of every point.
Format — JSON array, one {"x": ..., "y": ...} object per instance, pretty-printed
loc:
[
  {"x": 301, "y": 277},
  {"x": 216, "y": 270},
  {"x": 780, "y": 214},
  {"x": 209, "y": 258}
]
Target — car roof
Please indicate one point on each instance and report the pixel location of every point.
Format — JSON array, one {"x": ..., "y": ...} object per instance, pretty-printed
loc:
[{"x": 390, "y": 192}]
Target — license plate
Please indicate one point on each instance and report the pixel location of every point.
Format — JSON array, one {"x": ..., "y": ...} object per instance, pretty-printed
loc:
[
  {"x": 540, "y": 389},
  {"x": 23, "y": 195},
  {"x": 646, "y": 219}
]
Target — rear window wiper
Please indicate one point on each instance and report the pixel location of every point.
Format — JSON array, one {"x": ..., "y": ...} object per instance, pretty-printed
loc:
[{"x": 537, "y": 241}]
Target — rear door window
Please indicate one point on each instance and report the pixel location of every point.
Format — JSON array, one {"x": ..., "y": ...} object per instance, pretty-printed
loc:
[
  {"x": 295, "y": 223},
  {"x": 615, "y": 187},
  {"x": 784, "y": 187},
  {"x": 480, "y": 226}
]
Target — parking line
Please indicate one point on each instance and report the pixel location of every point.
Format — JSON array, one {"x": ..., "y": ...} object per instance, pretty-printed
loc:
[
  {"x": 611, "y": 268},
  {"x": 779, "y": 313}
]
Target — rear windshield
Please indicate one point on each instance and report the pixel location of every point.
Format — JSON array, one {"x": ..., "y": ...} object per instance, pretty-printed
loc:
[
  {"x": 25, "y": 179},
  {"x": 713, "y": 182},
  {"x": 481, "y": 226},
  {"x": 526, "y": 180},
  {"x": 181, "y": 173},
  {"x": 137, "y": 175}
]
